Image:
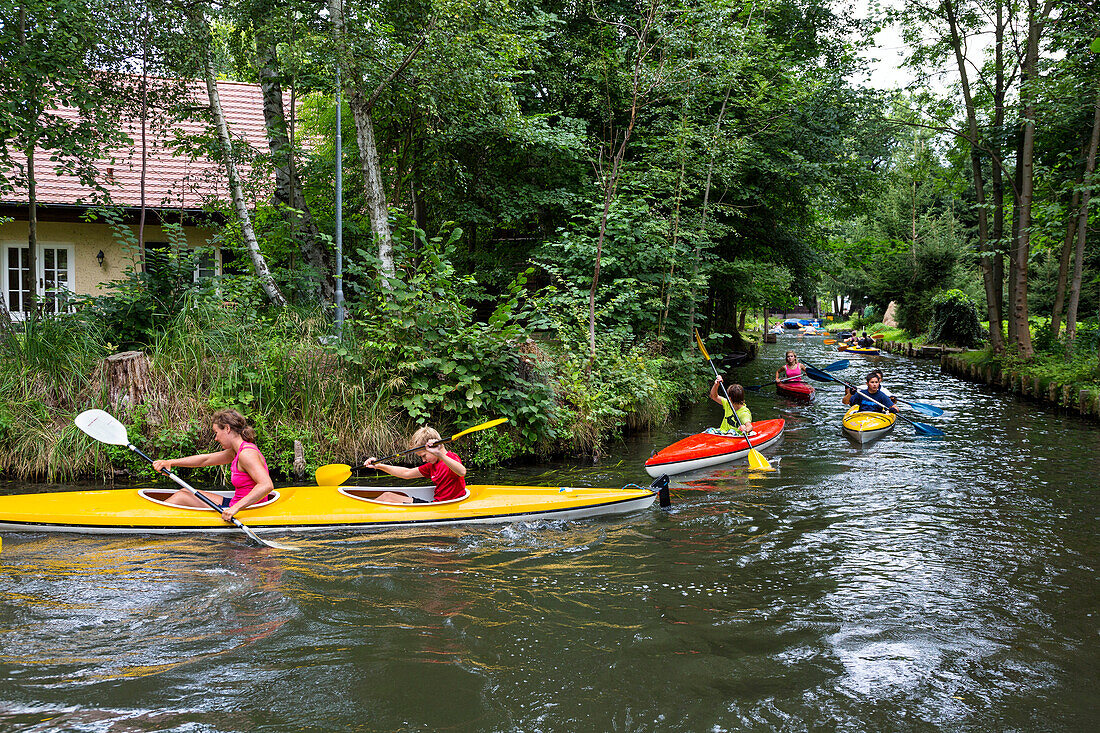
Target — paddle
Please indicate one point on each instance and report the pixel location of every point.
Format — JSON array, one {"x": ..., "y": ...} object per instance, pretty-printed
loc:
[
  {"x": 106, "y": 429},
  {"x": 756, "y": 459},
  {"x": 836, "y": 366},
  {"x": 335, "y": 474},
  {"x": 758, "y": 387},
  {"x": 825, "y": 377},
  {"x": 930, "y": 410}
]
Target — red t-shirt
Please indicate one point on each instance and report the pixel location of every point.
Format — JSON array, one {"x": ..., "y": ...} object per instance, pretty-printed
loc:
[{"x": 448, "y": 484}]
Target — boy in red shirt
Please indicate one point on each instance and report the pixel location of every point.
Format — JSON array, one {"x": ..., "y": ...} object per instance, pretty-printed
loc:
[{"x": 443, "y": 467}]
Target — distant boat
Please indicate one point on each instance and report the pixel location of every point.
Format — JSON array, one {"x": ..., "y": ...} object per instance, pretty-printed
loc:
[
  {"x": 792, "y": 323},
  {"x": 733, "y": 359}
]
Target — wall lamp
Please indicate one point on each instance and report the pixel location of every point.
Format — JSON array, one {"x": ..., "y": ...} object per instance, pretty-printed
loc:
[{"x": 99, "y": 258}]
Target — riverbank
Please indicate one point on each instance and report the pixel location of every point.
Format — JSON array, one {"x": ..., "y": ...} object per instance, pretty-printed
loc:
[
  {"x": 981, "y": 366},
  {"x": 313, "y": 400}
]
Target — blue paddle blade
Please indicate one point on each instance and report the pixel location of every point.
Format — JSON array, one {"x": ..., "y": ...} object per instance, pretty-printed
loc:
[
  {"x": 815, "y": 373},
  {"x": 838, "y": 366},
  {"x": 929, "y": 410},
  {"x": 924, "y": 429}
]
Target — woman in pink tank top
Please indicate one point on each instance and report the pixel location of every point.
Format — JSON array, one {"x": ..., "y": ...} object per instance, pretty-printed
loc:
[
  {"x": 791, "y": 371},
  {"x": 247, "y": 467}
]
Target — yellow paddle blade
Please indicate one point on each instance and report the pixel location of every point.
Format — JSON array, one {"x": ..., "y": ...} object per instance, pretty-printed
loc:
[
  {"x": 701, "y": 347},
  {"x": 482, "y": 426},
  {"x": 758, "y": 461},
  {"x": 333, "y": 474}
]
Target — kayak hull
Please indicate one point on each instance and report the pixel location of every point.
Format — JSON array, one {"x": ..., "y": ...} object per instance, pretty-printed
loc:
[
  {"x": 310, "y": 508},
  {"x": 704, "y": 450},
  {"x": 795, "y": 390},
  {"x": 868, "y": 351},
  {"x": 864, "y": 427}
]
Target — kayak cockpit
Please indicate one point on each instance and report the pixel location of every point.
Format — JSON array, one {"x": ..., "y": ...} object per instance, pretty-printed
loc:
[
  {"x": 161, "y": 496},
  {"x": 425, "y": 495}
]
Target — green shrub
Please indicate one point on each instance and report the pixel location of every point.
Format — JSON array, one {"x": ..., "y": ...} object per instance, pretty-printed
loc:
[{"x": 955, "y": 320}]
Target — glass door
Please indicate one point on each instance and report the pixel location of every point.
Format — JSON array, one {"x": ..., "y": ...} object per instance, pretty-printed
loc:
[
  {"x": 17, "y": 279},
  {"x": 55, "y": 277},
  {"x": 53, "y": 285}
]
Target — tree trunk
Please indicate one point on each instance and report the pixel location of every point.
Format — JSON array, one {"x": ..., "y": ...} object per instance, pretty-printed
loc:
[
  {"x": 986, "y": 261},
  {"x": 1082, "y": 232},
  {"x": 263, "y": 274},
  {"x": 374, "y": 195},
  {"x": 28, "y": 305},
  {"x": 996, "y": 305},
  {"x": 667, "y": 295},
  {"x": 1026, "y": 164},
  {"x": 1063, "y": 265},
  {"x": 703, "y": 218},
  {"x": 288, "y": 188},
  {"x": 611, "y": 179}
]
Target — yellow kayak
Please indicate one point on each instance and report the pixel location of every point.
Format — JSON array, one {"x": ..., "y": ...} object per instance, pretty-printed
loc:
[
  {"x": 311, "y": 508},
  {"x": 864, "y": 426}
]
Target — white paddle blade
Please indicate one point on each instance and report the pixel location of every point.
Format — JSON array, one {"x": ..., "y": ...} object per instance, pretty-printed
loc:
[{"x": 102, "y": 426}]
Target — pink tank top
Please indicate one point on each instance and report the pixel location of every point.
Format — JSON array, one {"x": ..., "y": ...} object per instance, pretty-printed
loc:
[
  {"x": 794, "y": 371},
  {"x": 242, "y": 482}
]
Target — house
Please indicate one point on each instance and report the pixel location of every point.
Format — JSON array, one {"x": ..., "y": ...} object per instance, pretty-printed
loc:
[{"x": 76, "y": 255}]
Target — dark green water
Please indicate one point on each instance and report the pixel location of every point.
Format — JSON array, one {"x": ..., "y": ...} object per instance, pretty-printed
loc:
[{"x": 915, "y": 584}]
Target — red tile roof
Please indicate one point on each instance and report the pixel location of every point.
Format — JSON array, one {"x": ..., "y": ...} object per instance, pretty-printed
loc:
[{"x": 172, "y": 180}]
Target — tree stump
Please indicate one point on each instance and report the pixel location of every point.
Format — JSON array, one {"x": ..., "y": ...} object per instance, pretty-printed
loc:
[
  {"x": 299, "y": 460},
  {"x": 127, "y": 377}
]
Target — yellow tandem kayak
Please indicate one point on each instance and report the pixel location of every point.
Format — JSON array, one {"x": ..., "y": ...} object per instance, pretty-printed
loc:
[
  {"x": 865, "y": 426},
  {"x": 312, "y": 508}
]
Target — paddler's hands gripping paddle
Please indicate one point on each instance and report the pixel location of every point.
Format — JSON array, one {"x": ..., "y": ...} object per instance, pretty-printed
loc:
[
  {"x": 106, "y": 429},
  {"x": 335, "y": 474},
  {"x": 756, "y": 458}
]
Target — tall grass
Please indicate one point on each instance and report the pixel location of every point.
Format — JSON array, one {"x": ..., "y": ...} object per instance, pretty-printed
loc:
[{"x": 342, "y": 401}]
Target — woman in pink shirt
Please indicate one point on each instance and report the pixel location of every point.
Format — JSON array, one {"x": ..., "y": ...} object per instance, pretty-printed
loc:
[
  {"x": 247, "y": 468},
  {"x": 791, "y": 370},
  {"x": 443, "y": 467}
]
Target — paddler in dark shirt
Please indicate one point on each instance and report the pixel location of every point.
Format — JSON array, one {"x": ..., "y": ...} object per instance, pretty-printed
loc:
[{"x": 871, "y": 399}]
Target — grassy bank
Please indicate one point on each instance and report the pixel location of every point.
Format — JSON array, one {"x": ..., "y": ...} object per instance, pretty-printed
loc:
[{"x": 341, "y": 400}]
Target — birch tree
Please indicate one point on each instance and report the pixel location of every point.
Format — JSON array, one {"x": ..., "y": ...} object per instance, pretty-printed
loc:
[{"x": 259, "y": 263}]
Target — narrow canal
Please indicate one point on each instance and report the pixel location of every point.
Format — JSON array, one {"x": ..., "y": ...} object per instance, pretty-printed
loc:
[{"x": 914, "y": 584}]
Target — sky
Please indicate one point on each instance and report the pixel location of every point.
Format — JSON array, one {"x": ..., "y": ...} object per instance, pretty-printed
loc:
[{"x": 888, "y": 50}]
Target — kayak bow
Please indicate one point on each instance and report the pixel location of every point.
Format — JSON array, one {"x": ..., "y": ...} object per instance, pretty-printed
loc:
[{"x": 864, "y": 426}]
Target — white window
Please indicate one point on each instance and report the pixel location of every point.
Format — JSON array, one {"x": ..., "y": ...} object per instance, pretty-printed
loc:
[
  {"x": 159, "y": 260},
  {"x": 53, "y": 281},
  {"x": 206, "y": 264}
]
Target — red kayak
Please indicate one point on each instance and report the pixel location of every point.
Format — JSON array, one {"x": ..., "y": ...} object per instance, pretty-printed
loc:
[
  {"x": 703, "y": 450},
  {"x": 796, "y": 390}
]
